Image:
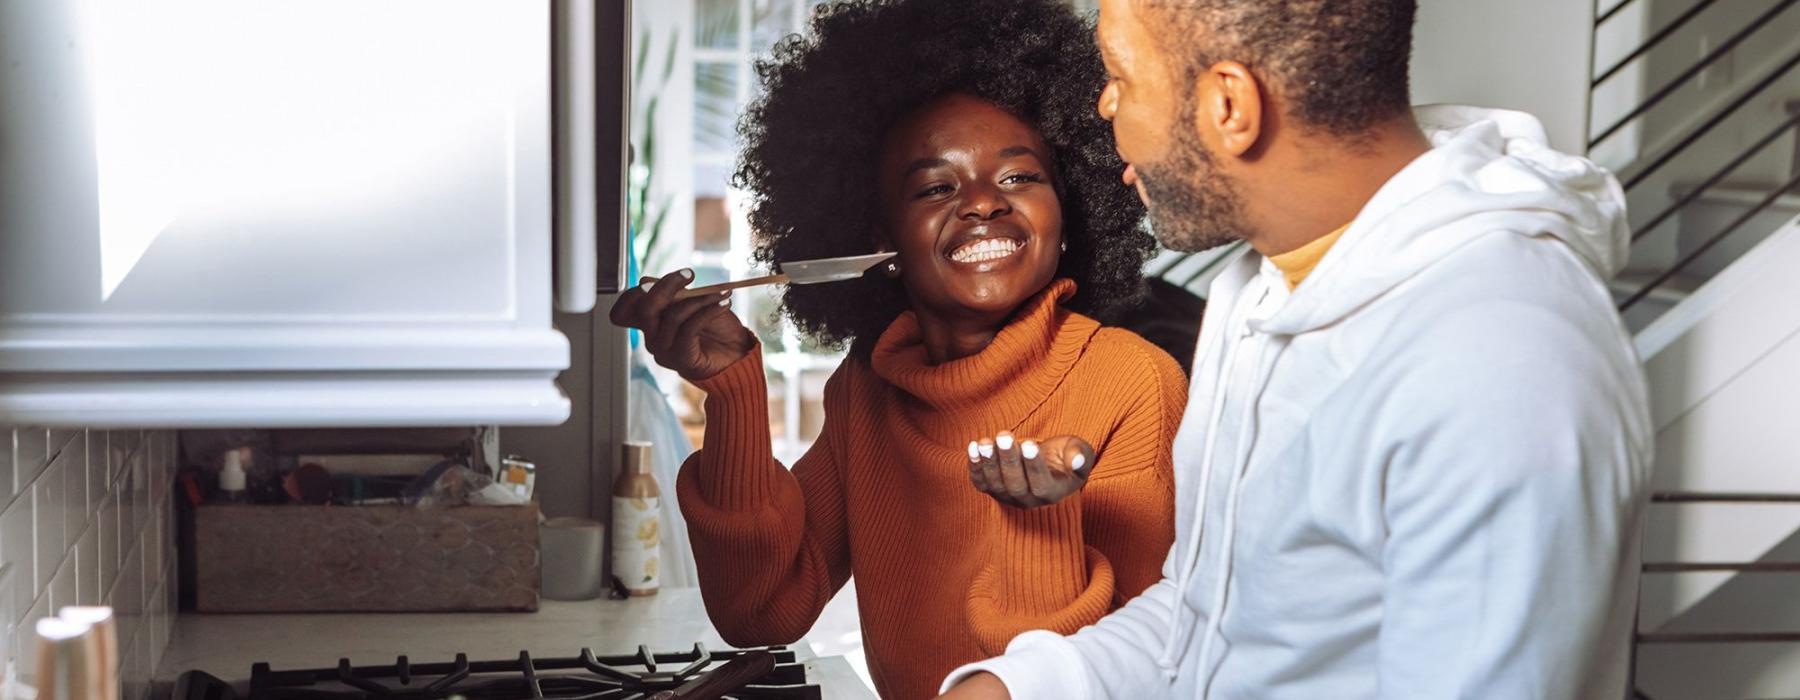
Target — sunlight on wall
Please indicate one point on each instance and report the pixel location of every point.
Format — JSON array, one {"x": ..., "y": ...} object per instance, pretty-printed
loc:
[{"x": 220, "y": 111}]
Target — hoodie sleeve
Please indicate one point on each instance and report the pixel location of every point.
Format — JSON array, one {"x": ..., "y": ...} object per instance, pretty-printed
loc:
[
  {"x": 1514, "y": 476},
  {"x": 1116, "y": 657}
]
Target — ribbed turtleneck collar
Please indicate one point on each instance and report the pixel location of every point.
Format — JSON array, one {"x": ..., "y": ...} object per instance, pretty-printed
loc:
[{"x": 1010, "y": 377}]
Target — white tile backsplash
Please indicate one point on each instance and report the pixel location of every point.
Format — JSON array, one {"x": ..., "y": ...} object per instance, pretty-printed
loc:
[
  {"x": 8, "y": 617},
  {"x": 31, "y": 450},
  {"x": 86, "y": 518},
  {"x": 87, "y": 568},
  {"x": 47, "y": 511},
  {"x": 7, "y": 487},
  {"x": 62, "y": 585},
  {"x": 18, "y": 549}
]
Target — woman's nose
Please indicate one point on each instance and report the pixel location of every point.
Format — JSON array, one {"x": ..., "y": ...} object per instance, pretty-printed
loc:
[{"x": 983, "y": 202}]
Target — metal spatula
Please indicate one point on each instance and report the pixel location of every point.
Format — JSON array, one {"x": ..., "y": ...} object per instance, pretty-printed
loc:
[{"x": 796, "y": 272}]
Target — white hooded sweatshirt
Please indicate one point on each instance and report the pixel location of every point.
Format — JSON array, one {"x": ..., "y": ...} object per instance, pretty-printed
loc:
[{"x": 1418, "y": 475}]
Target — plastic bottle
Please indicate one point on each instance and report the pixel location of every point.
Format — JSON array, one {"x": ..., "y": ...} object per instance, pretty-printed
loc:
[
  {"x": 231, "y": 478},
  {"x": 636, "y": 523}
]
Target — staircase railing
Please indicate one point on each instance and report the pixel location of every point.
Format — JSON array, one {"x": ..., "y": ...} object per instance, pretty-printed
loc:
[
  {"x": 1656, "y": 159},
  {"x": 1637, "y": 174},
  {"x": 1641, "y": 637}
]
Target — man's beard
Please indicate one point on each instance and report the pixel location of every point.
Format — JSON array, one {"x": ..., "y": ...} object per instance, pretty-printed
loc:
[{"x": 1193, "y": 206}]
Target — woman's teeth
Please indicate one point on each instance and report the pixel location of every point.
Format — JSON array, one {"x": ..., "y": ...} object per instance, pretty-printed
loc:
[{"x": 985, "y": 250}]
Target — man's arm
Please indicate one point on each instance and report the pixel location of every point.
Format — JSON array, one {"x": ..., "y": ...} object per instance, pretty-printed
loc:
[
  {"x": 1514, "y": 485},
  {"x": 1117, "y": 656},
  {"x": 1113, "y": 658}
]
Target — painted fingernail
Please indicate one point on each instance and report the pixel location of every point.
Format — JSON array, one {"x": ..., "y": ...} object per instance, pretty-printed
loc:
[
  {"x": 646, "y": 286},
  {"x": 725, "y": 302},
  {"x": 974, "y": 452},
  {"x": 985, "y": 449},
  {"x": 1028, "y": 449},
  {"x": 1078, "y": 461},
  {"x": 686, "y": 273},
  {"x": 1004, "y": 440}
]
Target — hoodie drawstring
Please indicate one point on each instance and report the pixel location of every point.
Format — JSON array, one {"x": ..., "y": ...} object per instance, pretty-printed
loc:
[
  {"x": 1246, "y": 428},
  {"x": 1191, "y": 554}
]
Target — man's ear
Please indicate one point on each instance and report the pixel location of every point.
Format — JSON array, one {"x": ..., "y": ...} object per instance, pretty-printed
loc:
[{"x": 1230, "y": 103}]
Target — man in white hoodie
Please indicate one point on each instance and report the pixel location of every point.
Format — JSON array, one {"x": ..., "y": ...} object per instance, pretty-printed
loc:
[{"x": 1414, "y": 458}]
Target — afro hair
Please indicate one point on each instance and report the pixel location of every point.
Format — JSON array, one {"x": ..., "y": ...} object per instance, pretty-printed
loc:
[{"x": 812, "y": 141}]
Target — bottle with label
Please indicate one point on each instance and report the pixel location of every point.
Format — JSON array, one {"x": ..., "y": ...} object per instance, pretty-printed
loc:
[
  {"x": 636, "y": 523},
  {"x": 105, "y": 630},
  {"x": 68, "y": 661}
]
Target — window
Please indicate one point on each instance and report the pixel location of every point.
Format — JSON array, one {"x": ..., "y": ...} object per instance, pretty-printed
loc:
[{"x": 694, "y": 76}]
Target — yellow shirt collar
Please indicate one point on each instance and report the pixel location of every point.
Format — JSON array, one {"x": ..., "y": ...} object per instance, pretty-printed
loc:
[{"x": 1296, "y": 264}]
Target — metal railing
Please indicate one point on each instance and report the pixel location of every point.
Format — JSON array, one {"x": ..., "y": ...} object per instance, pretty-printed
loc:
[
  {"x": 1658, "y": 158},
  {"x": 1760, "y": 567},
  {"x": 1708, "y": 122},
  {"x": 1170, "y": 269}
]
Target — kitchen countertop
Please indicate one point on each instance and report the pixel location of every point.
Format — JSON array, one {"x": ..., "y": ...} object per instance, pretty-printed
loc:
[{"x": 227, "y": 645}]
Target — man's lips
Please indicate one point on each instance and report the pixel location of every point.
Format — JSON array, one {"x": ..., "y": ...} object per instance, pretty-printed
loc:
[{"x": 1131, "y": 180}]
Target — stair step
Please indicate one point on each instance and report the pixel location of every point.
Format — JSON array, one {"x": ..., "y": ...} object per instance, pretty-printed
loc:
[
  {"x": 1671, "y": 292},
  {"x": 1746, "y": 195}
]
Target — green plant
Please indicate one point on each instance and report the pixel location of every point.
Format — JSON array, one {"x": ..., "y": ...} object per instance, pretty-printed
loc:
[{"x": 646, "y": 217}]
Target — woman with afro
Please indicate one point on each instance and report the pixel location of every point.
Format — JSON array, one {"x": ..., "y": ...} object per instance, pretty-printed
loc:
[{"x": 962, "y": 135}]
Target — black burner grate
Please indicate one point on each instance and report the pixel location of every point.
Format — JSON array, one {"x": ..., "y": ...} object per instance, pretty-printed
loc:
[{"x": 584, "y": 677}]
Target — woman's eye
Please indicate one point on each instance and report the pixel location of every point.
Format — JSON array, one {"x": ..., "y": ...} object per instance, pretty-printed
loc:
[{"x": 1017, "y": 178}]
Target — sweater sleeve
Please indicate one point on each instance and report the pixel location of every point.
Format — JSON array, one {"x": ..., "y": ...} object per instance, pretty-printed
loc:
[
  {"x": 1063, "y": 567},
  {"x": 770, "y": 545}
]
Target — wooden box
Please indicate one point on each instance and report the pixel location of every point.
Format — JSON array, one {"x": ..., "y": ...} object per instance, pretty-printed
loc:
[{"x": 299, "y": 558}]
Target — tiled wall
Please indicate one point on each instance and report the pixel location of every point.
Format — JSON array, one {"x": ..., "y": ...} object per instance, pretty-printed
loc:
[{"x": 86, "y": 519}]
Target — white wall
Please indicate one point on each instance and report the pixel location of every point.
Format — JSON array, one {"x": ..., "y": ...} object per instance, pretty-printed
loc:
[
  {"x": 1529, "y": 55},
  {"x": 1724, "y": 371}
]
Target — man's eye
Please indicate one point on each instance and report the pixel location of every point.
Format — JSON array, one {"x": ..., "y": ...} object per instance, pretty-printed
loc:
[{"x": 933, "y": 191}]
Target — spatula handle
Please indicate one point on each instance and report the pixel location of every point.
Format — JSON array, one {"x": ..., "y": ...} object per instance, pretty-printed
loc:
[{"x": 692, "y": 292}]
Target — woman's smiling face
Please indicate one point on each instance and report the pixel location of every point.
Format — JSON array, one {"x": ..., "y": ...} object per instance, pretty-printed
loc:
[{"x": 969, "y": 203}]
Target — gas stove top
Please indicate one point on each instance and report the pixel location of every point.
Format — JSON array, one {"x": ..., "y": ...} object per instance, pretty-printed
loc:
[{"x": 585, "y": 677}]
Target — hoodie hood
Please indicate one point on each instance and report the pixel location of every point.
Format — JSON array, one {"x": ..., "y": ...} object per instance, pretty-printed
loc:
[{"x": 1489, "y": 172}]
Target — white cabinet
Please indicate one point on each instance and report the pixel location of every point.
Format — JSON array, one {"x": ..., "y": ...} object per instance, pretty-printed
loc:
[{"x": 277, "y": 213}]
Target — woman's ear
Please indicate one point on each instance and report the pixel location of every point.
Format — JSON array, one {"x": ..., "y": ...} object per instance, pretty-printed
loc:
[{"x": 891, "y": 268}]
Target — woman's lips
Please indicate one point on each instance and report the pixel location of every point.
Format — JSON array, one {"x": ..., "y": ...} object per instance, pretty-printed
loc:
[{"x": 985, "y": 250}]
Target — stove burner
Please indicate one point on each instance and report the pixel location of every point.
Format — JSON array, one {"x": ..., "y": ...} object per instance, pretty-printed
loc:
[{"x": 587, "y": 677}]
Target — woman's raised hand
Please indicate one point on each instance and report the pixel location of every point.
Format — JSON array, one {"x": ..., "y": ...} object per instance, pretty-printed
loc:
[
  {"x": 1030, "y": 473},
  {"x": 697, "y": 337}
]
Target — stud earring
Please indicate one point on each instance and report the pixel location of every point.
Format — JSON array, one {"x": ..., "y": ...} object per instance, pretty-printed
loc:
[
  {"x": 892, "y": 269},
  {"x": 1065, "y": 246}
]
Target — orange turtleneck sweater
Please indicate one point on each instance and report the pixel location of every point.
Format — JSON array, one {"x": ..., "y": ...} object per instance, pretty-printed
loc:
[{"x": 945, "y": 575}]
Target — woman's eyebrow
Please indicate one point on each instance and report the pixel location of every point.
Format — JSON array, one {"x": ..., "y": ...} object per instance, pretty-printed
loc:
[
  {"x": 922, "y": 164},
  {"x": 1012, "y": 151}
]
